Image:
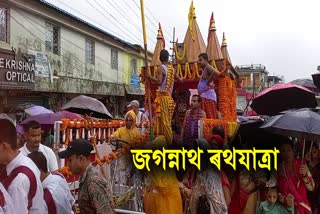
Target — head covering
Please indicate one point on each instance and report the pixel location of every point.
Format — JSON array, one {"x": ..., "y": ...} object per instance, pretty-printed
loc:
[
  {"x": 134, "y": 103},
  {"x": 77, "y": 147},
  {"x": 134, "y": 117},
  {"x": 219, "y": 140},
  {"x": 205, "y": 158}
]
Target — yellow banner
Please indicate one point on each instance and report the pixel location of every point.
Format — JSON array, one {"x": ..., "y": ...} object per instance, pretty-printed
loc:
[{"x": 190, "y": 18}]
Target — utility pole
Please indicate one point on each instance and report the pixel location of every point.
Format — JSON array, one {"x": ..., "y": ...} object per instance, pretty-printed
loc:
[{"x": 173, "y": 58}]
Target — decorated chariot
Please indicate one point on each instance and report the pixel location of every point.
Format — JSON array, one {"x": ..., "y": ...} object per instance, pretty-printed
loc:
[{"x": 128, "y": 187}]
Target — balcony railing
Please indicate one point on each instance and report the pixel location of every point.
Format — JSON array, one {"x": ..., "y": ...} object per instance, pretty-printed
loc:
[{"x": 252, "y": 66}]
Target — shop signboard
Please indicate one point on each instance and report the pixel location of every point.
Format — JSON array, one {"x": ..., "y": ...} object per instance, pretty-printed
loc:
[
  {"x": 135, "y": 80},
  {"x": 16, "y": 72}
]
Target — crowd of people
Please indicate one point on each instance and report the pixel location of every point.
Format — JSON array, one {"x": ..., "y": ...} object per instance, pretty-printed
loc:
[
  {"x": 294, "y": 188},
  {"x": 31, "y": 183}
]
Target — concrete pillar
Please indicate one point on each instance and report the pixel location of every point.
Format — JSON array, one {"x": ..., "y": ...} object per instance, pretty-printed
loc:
[{"x": 3, "y": 100}]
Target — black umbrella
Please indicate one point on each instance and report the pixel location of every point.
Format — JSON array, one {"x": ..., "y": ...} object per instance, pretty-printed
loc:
[
  {"x": 281, "y": 97},
  {"x": 308, "y": 83},
  {"x": 87, "y": 105},
  {"x": 303, "y": 124}
]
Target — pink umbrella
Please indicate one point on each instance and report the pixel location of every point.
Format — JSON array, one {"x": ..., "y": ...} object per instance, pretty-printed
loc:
[
  {"x": 19, "y": 129},
  {"x": 282, "y": 97},
  {"x": 50, "y": 118}
]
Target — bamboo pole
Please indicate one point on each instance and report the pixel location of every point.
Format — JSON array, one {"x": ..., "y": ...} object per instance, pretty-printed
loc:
[{"x": 146, "y": 66}]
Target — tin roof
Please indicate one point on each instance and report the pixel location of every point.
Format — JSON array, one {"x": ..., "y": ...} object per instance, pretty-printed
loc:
[{"x": 60, "y": 10}]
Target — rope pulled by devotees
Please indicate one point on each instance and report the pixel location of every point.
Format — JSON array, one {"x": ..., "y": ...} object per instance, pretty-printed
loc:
[{"x": 124, "y": 198}]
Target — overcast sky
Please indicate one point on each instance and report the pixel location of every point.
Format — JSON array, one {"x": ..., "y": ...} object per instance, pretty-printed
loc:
[{"x": 283, "y": 35}]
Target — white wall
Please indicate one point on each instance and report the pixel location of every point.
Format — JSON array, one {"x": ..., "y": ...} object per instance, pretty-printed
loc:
[
  {"x": 241, "y": 102},
  {"x": 27, "y": 32}
]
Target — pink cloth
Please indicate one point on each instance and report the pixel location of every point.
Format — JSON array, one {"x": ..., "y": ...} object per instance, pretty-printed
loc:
[
  {"x": 293, "y": 184},
  {"x": 219, "y": 140},
  {"x": 239, "y": 199}
]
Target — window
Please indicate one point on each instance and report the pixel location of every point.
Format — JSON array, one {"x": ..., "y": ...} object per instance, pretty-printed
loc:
[
  {"x": 90, "y": 51},
  {"x": 4, "y": 24},
  {"x": 52, "y": 39},
  {"x": 114, "y": 59},
  {"x": 133, "y": 66}
]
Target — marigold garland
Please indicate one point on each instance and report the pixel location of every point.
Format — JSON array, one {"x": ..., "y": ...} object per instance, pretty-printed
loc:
[
  {"x": 155, "y": 68},
  {"x": 191, "y": 75},
  {"x": 196, "y": 67},
  {"x": 209, "y": 124},
  {"x": 229, "y": 127},
  {"x": 187, "y": 72},
  {"x": 89, "y": 124},
  {"x": 180, "y": 73},
  {"x": 170, "y": 78},
  {"x": 180, "y": 58},
  {"x": 107, "y": 158},
  {"x": 224, "y": 67},
  {"x": 227, "y": 99},
  {"x": 65, "y": 171}
]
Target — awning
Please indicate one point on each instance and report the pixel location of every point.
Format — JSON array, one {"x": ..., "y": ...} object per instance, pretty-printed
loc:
[{"x": 134, "y": 90}]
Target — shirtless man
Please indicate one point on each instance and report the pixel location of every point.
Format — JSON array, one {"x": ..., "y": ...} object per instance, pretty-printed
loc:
[
  {"x": 205, "y": 87},
  {"x": 165, "y": 104}
]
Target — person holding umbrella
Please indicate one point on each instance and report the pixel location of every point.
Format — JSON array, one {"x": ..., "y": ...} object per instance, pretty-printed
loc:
[
  {"x": 314, "y": 166},
  {"x": 294, "y": 179}
]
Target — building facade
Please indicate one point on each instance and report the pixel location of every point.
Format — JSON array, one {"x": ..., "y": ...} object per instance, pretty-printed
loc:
[
  {"x": 272, "y": 80},
  {"x": 254, "y": 78},
  {"x": 64, "y": 57}
]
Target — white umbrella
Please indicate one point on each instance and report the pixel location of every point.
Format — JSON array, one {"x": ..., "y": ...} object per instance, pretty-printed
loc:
[{"x": 36, "y": 110}]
